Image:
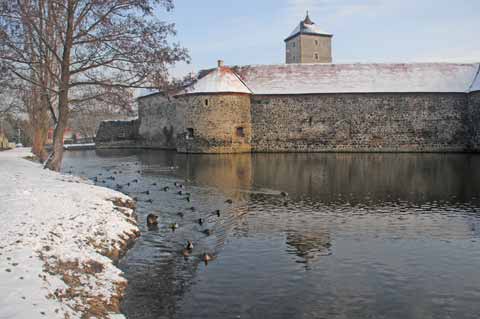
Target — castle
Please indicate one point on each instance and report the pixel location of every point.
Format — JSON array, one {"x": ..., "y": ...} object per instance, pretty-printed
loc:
[{"x": 311, "y": 105}]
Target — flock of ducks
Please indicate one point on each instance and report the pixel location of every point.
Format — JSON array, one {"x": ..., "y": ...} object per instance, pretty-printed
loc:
[
  {"x": 152, "y": 222},
  {"x": 152, "y": 219}
]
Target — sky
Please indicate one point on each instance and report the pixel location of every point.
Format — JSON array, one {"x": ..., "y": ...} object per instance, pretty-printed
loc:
[{"x": 242, "y": 32}]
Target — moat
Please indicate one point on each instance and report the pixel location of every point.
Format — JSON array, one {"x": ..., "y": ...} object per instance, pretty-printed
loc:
[{"x": 358, "y": 236}]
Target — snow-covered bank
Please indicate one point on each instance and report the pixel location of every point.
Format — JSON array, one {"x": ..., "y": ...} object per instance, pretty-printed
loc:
[{"x": 56, "y": 233}]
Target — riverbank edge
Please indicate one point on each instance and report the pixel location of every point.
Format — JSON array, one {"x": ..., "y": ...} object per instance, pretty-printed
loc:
[{"x": 71, "y": 270}]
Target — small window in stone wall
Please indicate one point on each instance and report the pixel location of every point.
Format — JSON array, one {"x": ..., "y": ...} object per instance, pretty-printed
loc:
[
  {"x": 240, "y": 132},
  {"x": 206, "y": 102},
  {"x": 316, "y": 42},
  {"x": 190, "y": 133},
  {"x": 310, "y": 121},
  {"x": 316, "y": 56}
]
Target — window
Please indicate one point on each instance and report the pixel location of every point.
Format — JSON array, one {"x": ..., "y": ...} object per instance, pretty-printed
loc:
[
  {"x": 240, "y": 132},
  {"x": 190, "y": 133},
  {"x": 316, "y": 56},
  {"x": 310, "y": 121},
  {"x": 316, "y": 42},
  {"x": 293, "y": 44},
  {"x": 206, "y": 102}
]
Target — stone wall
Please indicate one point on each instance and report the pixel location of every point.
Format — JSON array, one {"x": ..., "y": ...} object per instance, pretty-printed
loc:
[
  {"x": 159, "y": 122},
  {"x": 474, "y": 120},
  {"x": 117, "y": 134},
  {"x": 215, "y": 123},
  {"x": 360, "y": 122},
  {"x": 314, "y": 44}
]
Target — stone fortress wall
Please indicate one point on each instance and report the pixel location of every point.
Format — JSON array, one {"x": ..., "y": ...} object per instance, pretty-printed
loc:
[
  {"x": 118, "y": 134},
  {"x": 396, "y": 122},
  {"x": 474, "y": 120}
]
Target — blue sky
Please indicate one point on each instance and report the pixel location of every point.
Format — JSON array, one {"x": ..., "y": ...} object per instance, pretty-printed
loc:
[{"x": 252, "y": 31}]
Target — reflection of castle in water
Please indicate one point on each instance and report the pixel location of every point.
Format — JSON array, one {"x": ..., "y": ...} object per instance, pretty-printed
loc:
[
  {"x": 310, "y": 245},
  {"x": 417, "y": 178}
]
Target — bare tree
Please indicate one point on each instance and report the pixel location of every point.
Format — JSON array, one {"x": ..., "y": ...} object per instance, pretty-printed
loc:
[{"x": 108, "y": 45}]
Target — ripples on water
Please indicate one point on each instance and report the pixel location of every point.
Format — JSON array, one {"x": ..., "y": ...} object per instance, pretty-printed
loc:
[{"x": 359, "y": 235}]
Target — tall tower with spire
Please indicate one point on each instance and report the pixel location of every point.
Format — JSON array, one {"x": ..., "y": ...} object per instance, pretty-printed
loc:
[{"x": 308, "y": 44}]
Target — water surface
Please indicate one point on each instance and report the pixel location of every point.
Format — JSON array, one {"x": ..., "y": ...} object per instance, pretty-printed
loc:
[{"x": 358, "y": 236}]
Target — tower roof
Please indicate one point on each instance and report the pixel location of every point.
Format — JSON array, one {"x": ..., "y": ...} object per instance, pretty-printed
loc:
[
  {"x": 307, "y": 26},
  {"x": 219, "y": 80}
]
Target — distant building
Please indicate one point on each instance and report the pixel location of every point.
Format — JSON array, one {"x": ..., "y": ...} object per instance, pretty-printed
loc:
[
  {"x": 308, "y": 44},
  {"x": 312, "y": 105}
]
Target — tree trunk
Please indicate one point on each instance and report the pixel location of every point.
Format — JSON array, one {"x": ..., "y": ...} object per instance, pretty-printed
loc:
[
  {"x": 40, "y": 131},
  {"x": 54, "y": 162}
]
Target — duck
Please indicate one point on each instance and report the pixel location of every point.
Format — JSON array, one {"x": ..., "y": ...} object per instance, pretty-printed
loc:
[
  {"x": 229, "y": 201},
  {"x": 284, "y": 194},
  {"x": 207, "y": 232},
  {"x": 173, "y": 226},
  {"x": 192, "y": 209},
  {"x": 206, "y": 257},
  {"x": 217, "y": 212},
  {"x": 135, "y": 181},
  {"x": 188, "y": 199},
  {"x": 146, "y": 192},
  {"x": 152, "y": 220},
  {"x": 180, "y": 214},
  {"x": 200, "y": 221},
  {"x": 180, "y": 193},
  {"x": 154, "y": 184},
  {"x": 149, "y": 200},
  {"x": 165, "y": 188},
  {"x": 189, "y": 245},
  {"x": 187, "y": 249}
]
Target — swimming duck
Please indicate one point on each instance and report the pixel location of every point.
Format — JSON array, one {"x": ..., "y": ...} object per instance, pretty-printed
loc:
[
  {"x": 154, "y": 184},
  {"x": 152, "y": 220},
  {"x": 200, "y": 221},
  {"x": 146, "y": 192},
  {"x": 180, "y": 214},
  {"x": 217, "y": 212},
  {"x": 149, "y": 200},
  {"x": 165, "y": 188},
  {"x": 173, "y": 226},
  {"x": 229, "y": 201},
  {"x": 207, "y": 257},
  {"x": 207, "y": 232},
  {"x": 284, "y": 194},
  {"x": 192, "y": 209},
  {"x": 135, "y": 181},
  {"x": 189, "y": 245}
]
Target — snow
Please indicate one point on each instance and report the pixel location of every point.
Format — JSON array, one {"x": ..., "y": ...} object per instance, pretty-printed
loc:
[
  {"x": 79, "y": 146},
  {"x": 52, "y": 222},
  {"x": 476, "y": 82},
  {"x": 358, "y": 78},
  {"x": 308, "y": 29},
  {"x": 219, "y": 80}
]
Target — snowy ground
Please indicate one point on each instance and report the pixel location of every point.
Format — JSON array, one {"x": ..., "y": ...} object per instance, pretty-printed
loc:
[{"x": 56, "y": 231}]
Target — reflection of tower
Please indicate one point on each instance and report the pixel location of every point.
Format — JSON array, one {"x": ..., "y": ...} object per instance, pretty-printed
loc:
[{"x": 310, "y": 245}]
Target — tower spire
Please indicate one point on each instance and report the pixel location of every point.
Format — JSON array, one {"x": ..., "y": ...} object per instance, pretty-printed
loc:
[{"x": 307, "y": 19}]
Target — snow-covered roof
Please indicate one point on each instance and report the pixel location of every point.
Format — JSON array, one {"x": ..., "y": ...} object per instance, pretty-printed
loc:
[
  {"x": 219, "y": 80},
  {"x": 476, "y": 82},
  {"x": 307, "y": 29},
  {"x": 307, "y": 26},
  {"x": 358, "y": 78}
]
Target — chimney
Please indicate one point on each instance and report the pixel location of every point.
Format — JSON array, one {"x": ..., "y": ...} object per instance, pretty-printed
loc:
[{"x": 220, "y": 63}]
